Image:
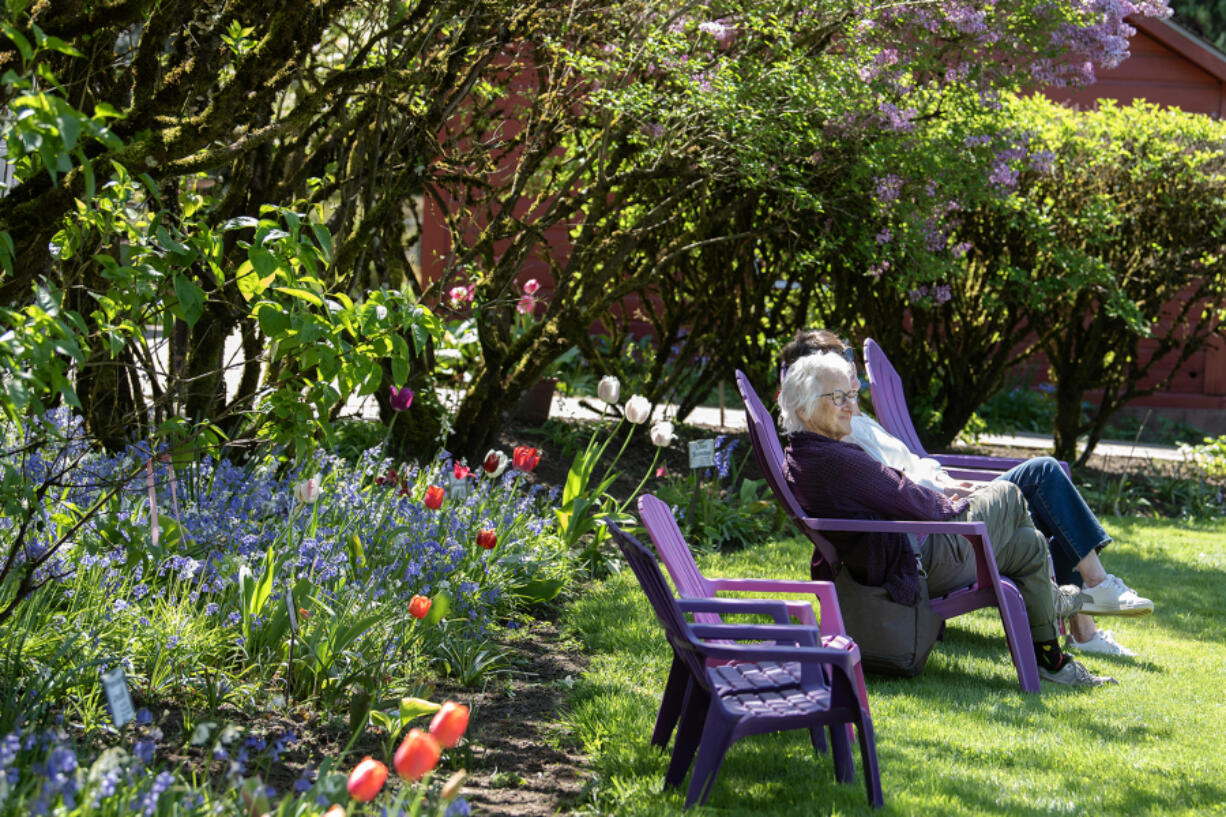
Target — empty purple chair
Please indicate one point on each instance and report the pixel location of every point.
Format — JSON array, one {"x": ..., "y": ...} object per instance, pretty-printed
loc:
[
  {"x": 755, "y": 692},
  {"x": 890, "y": 407},
  {"x": 690, "y": 583},
  {"x": 989, "y": 589}
]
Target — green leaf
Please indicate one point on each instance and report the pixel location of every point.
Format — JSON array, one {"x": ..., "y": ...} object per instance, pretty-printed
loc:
[
  {"x": 440, "y": 606},
  {"x": 273, "y": 320},
  {"x": 413, "y": 708},
  {"x": 191, "y": 299},
  {"x": 400, "y": 359},
  {"x": 309, "y": 297},
  {"x": 69, "y": 129},
  {"x": 23, "y": 45}
]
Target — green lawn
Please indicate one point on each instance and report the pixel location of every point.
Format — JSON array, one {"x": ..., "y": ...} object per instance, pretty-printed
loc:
[{"x": 961, "y": 739}]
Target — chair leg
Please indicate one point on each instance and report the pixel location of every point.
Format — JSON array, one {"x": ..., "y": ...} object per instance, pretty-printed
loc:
[
  {"x": 868, "y": 760},
  {"x": 716, "y": 738},
  {"x": 817, "y": 736},
  {"x": 689, "y": 734},
  {"x": 1017, "y": 628},
  {"x": 840, "y": 749},
  {"x": 672, "y": 703}
]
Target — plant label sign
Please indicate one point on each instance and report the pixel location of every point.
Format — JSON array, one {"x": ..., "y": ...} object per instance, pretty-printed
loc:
[
  {"x": 115, "y": 683},
  {"x": 702, "y": 454}
]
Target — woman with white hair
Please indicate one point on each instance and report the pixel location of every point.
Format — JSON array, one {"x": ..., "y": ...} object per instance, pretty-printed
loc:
[
  {"x": 1074, "y": 534},
  {"x": 836, "y": 479}
]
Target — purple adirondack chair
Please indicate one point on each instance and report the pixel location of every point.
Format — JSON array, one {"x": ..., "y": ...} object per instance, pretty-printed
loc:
[
  {"x": 890, "y": 406},
  {"x": 755, "y": 692},
  {"x": 691, "y": 583},
  {"x": 989, "y": 589}
]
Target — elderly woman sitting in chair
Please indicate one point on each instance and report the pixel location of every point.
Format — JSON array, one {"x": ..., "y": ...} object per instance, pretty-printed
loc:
[
  {"x": 1074, "y": 534},
  {"x": 837, "y": 479}
]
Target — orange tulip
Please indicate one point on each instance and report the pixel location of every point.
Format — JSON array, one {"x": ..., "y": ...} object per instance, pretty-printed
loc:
[
  {"x": 419, "y": 606},
  {"x": 418, "y": 754},
  {"x": 486, "y": 538},
  {"x": 366, "y": 779},
  {"x": 434, "y": 497},
  {"x": 449, "y": 723}
]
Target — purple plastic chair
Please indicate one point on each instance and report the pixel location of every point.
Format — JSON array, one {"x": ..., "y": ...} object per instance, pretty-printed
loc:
[
  {"x": 755, "y": 692},
  {"x": 690, "y": 583},
  {"x": 890, "y": 406},
  {"x": 989, "y": 589}
]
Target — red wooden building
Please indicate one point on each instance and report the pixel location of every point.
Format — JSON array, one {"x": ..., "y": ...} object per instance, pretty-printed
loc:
[{"x": 1170, "y": 66}]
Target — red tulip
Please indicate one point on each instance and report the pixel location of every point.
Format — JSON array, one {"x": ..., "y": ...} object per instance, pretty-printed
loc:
[
  {"x": 366, "y": 779},
  {"x": 461, "y": 471},
  {"x": 419, "y": 606},
  {"x": 526, "y": 458},
  {"x": 449, "y": 723},
  {"x": 434, "y": 497},
  {"x": 486, "y": 538},
  {"x": 417, "y": 755}
]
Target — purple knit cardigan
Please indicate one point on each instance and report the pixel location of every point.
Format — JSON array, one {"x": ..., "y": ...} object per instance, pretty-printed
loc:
[{"x": 840, "y": 481}]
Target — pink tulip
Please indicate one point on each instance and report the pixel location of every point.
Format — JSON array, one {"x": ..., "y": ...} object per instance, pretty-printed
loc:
[
  {"x": 531, "y": 286},
  {"x": 401, "y": 398}
]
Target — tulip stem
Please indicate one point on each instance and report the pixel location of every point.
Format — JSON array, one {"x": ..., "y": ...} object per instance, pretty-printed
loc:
[{"x": 651, "y": 468}]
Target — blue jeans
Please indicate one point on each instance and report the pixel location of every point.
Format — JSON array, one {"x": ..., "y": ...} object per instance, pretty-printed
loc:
[{"x": 1059, "y": 513}]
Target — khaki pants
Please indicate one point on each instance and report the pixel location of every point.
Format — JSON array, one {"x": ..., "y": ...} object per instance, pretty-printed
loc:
[{"x": 1021, "y": 553}]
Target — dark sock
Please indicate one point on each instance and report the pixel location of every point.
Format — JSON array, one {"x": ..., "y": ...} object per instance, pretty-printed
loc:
[{"x": 1049, "y": 656}]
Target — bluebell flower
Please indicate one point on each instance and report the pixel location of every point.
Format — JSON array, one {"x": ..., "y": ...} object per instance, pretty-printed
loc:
[{"x": 144, "y": 750}]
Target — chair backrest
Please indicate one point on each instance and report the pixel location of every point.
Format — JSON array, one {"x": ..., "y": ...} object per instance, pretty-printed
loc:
[
  {"x": 889, "y": 401},
  {"x": 676, "y": 630},
  {"x": 675, "y": 553},
  {"x": 769, "y": 455}
]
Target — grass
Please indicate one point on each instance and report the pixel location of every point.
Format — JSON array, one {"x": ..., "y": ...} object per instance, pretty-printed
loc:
[{"x": 961, "y": 739}]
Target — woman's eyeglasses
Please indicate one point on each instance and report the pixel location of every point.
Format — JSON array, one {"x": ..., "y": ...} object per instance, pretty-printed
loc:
[{"x": 839, "y": 397}]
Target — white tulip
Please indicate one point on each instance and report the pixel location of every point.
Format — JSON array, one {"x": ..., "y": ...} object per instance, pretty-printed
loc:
[
  {"x": 495, "y": 463},
  {"x": 307, "y": 491},
  {"x": 662, "y": 434},
  {"x": 638, "y": 409},
  {"x": 610, "y": 389}
]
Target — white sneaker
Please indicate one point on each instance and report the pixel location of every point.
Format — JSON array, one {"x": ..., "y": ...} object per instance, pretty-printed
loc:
[
  {"x": 1114, "y": 598},
  {"x": 1103, "y": 643}
]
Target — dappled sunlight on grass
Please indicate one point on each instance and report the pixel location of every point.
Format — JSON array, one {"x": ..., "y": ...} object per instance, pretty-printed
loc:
[{"x": 961, "y": 739}]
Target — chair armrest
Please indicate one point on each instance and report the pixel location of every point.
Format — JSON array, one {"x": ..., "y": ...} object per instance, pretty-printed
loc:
[
  {"x": 987, "y": 463},
  {"x": 832, "y": 616},
  {"x": 972, "y": 474},
  {"x": 775, "y": 608},
  {"x": 790, "y": 633},
  {"x": 887, "y": 526}
]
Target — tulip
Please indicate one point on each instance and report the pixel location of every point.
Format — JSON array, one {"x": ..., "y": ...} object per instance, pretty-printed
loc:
[
  {"x": 662, "y": 434},
  {"x": 307, "y": 491},
  {"x": 461, "y": 471},
  {"x": 531, "y": 286},
  {"x": 366, "y": 779},
  {"x": 419, "y": 606},
  {"x": 638, "y": 409},
  {"x": 495, "y": 463},
  {"x": 434, "y": 497},
  {"x": 336, "y": 811},
  {"x": 525, "y": 305},
  {"x": 487, "y": 538},
  {"x": 610, "y": 389},
  {"x": 526, "y": 458},
  {"x": 417, "y": 755},
  {"x": 401, "y": 399},
  {"x": 449, "y": 723}
]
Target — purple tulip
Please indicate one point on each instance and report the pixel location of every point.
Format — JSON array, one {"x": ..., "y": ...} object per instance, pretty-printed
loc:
[{"x": 401, "y": 398}]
